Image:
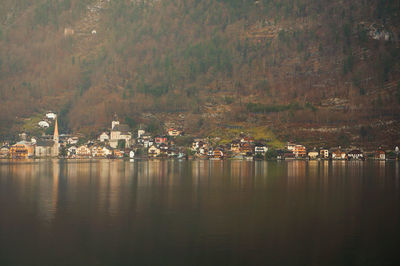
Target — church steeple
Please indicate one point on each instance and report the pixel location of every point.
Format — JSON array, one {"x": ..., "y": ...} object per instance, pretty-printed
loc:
[
  {"x": 115, "y": 121},
  {"x": 55, "y": 135},
  {"x": 56, "y": 146}
]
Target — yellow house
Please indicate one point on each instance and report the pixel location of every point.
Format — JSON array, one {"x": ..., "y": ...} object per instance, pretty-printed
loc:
[
  {"x": 22, "y": 150},
  {"x": 153, "y": 151}
]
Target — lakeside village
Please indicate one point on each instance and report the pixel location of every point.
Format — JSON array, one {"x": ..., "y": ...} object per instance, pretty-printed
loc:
[{"x": 119, "y": 142}]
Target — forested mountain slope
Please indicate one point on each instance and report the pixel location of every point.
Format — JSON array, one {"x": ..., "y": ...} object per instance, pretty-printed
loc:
[{"x": 309, "y": 69}]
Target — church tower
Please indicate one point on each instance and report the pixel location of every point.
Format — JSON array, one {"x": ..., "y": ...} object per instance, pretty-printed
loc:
[
  {"x": 56, "y": 138},
  {"x": 115, "y": 121},
  {"x": 55, "y": 135}
]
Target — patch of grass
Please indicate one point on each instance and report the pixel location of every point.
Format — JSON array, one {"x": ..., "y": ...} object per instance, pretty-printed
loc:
[
  {"x": 30, "y": 124},
  {"x": 259, "y": 133}
]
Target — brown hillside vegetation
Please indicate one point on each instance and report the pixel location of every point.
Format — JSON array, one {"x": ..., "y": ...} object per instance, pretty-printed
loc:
[{"x": 326, "y": 71}]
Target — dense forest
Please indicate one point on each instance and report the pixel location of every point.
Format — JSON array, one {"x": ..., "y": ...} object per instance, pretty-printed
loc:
[{"x": 305, "y": 68}]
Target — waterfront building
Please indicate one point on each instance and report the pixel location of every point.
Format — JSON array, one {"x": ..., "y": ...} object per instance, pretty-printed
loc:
[
  {"x": 198, "y": 144},
  {"x": 161, "y": 140},
  {"x": 4, "y": 152},
  {"x": 217, "y": 154},
  {"x": 83, "y": 151},
  {"x": 299, "y": 151},
  {"x": 106, "y": 151},
  {"x": 96, "y": 151},
  {"x": 153, "y": 151},
  {"x": 290, "y": 146},
  {"x": 117, "y": 153},
  {"x": 324, "y": 153},
  {"x": 235, "y": 146},
  {"x": 71, "y": 151},
  {"x": 380, "y": 155},
  {"x": 246, "y": 148},
  {"x": 313, "y": 154},
  {"x": 260, "y": 149},
  {"x": 339, "y": 155},
  {"x": 355, "y": 155},
  {"x": 44, "y": 148},
  {"x": 22, "y": 150}
]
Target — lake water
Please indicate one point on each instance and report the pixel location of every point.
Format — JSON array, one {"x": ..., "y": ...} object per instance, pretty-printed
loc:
[{"x": 109, "y": 212}]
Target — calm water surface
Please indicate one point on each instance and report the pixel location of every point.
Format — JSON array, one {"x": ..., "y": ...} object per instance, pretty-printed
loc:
[{"x": 199, "y": 213}]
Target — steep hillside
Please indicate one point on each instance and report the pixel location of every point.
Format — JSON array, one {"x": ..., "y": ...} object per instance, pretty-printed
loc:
[{"x": 310, "y": 70}]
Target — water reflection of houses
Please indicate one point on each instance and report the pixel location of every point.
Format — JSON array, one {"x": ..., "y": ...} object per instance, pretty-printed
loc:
[
  {"x": 38, "y": 184},
  {"x": 338, "y": 167},
  {"x": 216, "y": 168},
  {"x": 261, "y": 169},
  {"x": 381, "y": 168},
  {"x": 296, "y": 173},
  {"x": 313, "y": 169},
  {"x": 296, "y": 169},
  {"x": 324, "y": 173},
  {"x": 153, "y": 172},
  {"x": 242, "y": 173},
  {"x": 56, "y": 177},
  {"x": 113, "y": 185},
  {"x": 200, "y": 172}
]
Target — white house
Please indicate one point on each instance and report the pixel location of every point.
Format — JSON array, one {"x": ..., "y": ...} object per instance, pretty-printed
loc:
[
  {"x": 43, "y": 124},
  {"x": 324, "y": 153},
  {"x": 313, "y": 154},
  {"x": 104, "y": 137},
  {"x": 199, "y": 143},
  {"x": 106, "y": 151},
  {"x": 290, "y": 146},
  {"x": 260, "y": 149},
  {"x": 4, "y": 152},
  {"x": 355, "y": 155},
  {"x": 51, "y": 115},
  {"x": 72, "y": 140},
  {"x": 146, "y": 140},
  {"x": 71, "y": 151},
  {"x": 140, "y": 132},
  {"x": 202, "y": 151}
]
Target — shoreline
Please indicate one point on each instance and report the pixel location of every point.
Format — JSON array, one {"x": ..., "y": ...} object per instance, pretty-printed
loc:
[{"x": 183, "y": 159}]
